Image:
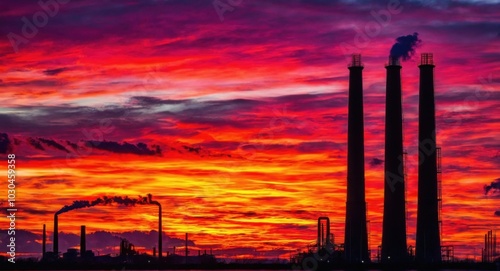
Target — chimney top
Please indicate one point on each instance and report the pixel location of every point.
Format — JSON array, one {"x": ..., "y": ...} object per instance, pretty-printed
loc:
[
  {"x": 393, "y": 61},
  {"x": 426, "y": 59},
  {"x": 356, "y": 61}
]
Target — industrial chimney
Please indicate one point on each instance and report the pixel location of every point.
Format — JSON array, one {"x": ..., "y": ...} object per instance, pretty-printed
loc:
[
  {"x": 187, "y": 251},
  {"x": 56, "y": 237},
  {"x": 44, "y": 238},
  {"x": 323, "y": 232},
  {"x": 160, "y": 230},
  {"x": 394, "y": 222},
  {"x": 356, "y": 241},
  {"x": 83, "y": 242},
  {"x": 160, "y": 233},
  {"x": 428, "y": 247}
]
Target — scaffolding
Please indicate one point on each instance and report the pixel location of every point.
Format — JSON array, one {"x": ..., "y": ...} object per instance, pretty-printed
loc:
[
  {"x": 439, "y": 190},
  {"x": 426, "y": 59},
  {"x": 489, "y": 252},
  {"x": 405, "y": 179},
  {"x": 368, "y": 234},
  {"x": 356, "y": 61},
  {"x": 447, "y": 253}
]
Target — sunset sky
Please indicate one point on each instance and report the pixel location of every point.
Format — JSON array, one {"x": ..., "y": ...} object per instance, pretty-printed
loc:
[{"x": 233, "y": 114}]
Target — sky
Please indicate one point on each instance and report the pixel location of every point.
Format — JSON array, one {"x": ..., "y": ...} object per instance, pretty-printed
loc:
[{"x": 233, "y": 115}]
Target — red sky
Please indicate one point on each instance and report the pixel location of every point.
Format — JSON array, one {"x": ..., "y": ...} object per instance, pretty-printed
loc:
[{"x": 248, "y": 108}]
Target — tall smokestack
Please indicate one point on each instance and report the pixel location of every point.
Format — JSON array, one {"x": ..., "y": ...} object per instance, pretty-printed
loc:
[
  {"x": 428, "y": 247},
  {"x": 356, "y": 241},
  {"x": 83, "y": 241},
  {"x": 56, "y": 237},
  {"x": 394, "y": 224},
  {"x": 160, "y": 231},
  {"x": 44, "y": 238}
]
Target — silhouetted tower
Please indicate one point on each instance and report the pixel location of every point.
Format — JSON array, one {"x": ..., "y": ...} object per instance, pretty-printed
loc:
[
  {"x": 55, "y": 239},
  {"x": 394, "y": 225},
  {"x": 186, "y": 247},
  {"x": 83, "y": 241},
  {"x": 428, "y": 246},
  {"x": 160, "y": 230},
  {"x": 44, "y": 238},
  {"x": 323, "y": 232},
  {"x": 356, "y": 240}
]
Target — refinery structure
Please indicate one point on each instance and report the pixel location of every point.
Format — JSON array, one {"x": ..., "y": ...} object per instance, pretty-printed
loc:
[
  {"x": 128, "y": 253},
  {"x": 394, "y": 249},
  {"x": 355, "y": 248}
]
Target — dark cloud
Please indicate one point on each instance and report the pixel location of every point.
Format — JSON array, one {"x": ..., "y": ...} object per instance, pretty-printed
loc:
[
  {"x": 139, "y": 148},
  {"x": 35, "y": 83},
  {"x": 35, "y": 143},
  {"x": 130, "y": 119},
  {"x": 41, "y": 182},
  {"x": 495, "y": 185},
  {"x": 53, "y": 72},
  {"x": 374, "y": 162},
  {"x": 318, "y": 146},
  {"x": 221, "y": 145},
  {"x": 152, "y": 101},
  {"x": 26, "y": 241},
  {"x": 52, "y": 143},
  {"x": 5, "y": 144}
]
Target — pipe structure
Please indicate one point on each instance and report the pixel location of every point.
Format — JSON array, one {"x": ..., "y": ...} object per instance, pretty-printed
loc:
[
  {"x": 56, "y": 236},
  {"x": 160, "y": 229},
  {"x": 83, "y": 241},
  {"x": 160, "y": 232},
  {"x": 394, "y": 249},
  {"x": 356, "y": 237},
  {"x": 323, "y": 232},
  {"x": 44, "y": 238},
  {"x": 428, "y": 244}
]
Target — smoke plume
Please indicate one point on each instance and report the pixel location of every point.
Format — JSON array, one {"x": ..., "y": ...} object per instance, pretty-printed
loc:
[
  {"x": 79, "y": 204},
  {"x": 405, "y": 46},
  {"x": 494, "y": 185}
]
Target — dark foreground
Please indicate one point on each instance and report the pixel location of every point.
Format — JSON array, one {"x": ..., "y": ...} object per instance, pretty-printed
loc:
[{"x": 220, "y": 266}]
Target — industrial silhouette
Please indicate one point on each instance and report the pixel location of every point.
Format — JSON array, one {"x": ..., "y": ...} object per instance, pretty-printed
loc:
[
  {"x": 355, "y": 249},
  {"x": 428, "y": 245},
  {"x": 394, "y": 247},
  {"x": 356, "y": 238},
  {"x": 104, "y": 201}
]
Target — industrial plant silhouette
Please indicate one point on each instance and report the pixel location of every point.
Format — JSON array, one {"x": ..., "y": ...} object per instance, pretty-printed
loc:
[{"x": 354, "y": 250}]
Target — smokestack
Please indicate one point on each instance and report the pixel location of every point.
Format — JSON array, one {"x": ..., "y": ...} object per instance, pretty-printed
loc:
[
  {"x": 44, "y": 237},
  {"x": 394, "y": 222},
  {"x": 83, "y": 241},
  {"x": 356, "y": 241},
  {"x": 323, "y": 232},
  {"x": 428, "y": 246},
  {"x": 186, "y": 248},
  {"x": 56, "y": 237},
  {"x": 150, "y": 200},
  {"x": 160, "y": 233}
]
